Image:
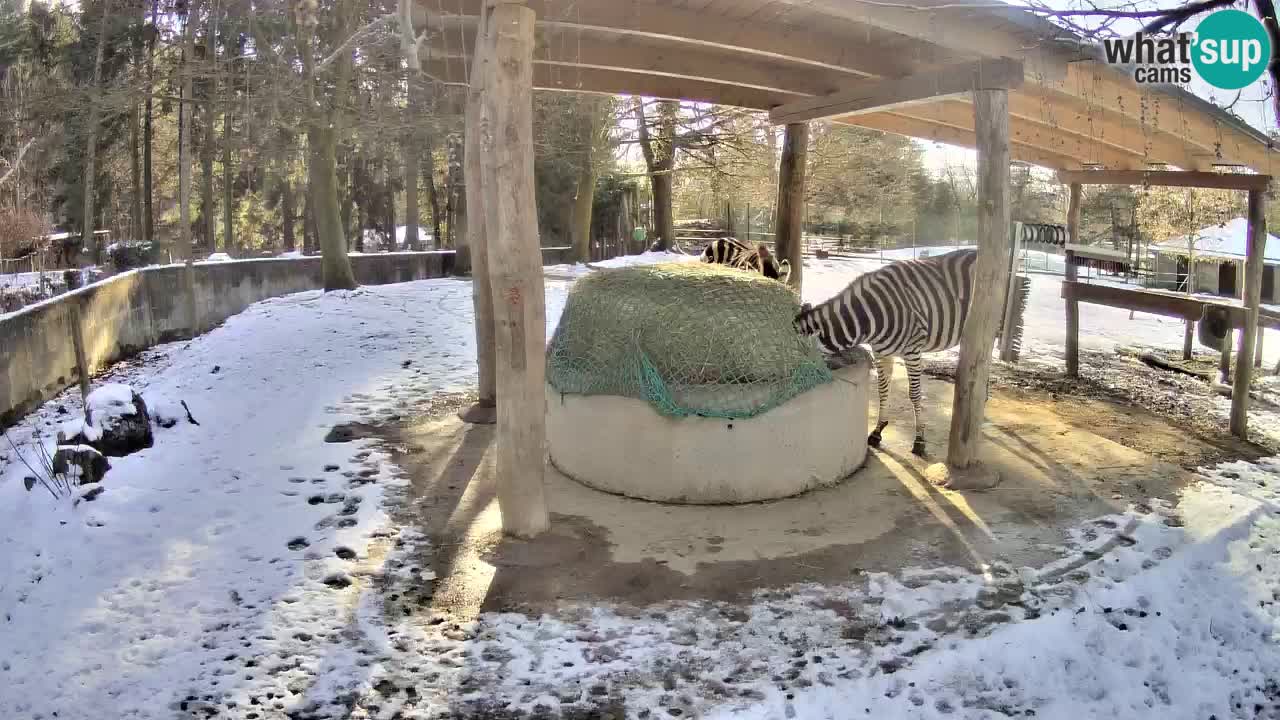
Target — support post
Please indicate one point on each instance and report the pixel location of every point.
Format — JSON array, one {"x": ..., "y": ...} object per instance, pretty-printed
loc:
[
  {"x": 991, "y": 121},
  {"x": 1257, "y": 355},
  {"x": 1224, "y": 357},
  {"x": 485, "y": 410},
  {"x": 515, "y": 270},
  {"x": 1188, "y": 333},
  {"x": 1252, "y": 299},
  {"x": 791, "y": 181},
  {"x": 1073, "y": 306}
]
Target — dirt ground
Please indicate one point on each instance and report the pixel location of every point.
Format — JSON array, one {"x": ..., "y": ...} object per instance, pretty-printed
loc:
[{"x": 1064, "y": 458}]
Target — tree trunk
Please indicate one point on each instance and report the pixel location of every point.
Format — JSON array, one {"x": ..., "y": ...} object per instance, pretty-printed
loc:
[
  {"x": 433, "y": 197},
  {"x": 185, "y": 107},
  {"x": 287, "y": 214},
  {"x": 229, "y": 243},
  {"x": 349, "y": 198},
  {"x": 664, "y": 223},
  {"x": 474, "y": 239},
  {"x": 412, "y": 117},
  {"x": 148, "y": 214},
  {"x": 582, "y": 204},
  {"x": 88, "y": 241},
  {"x": 135, "y": 172},
  {"x": 323, "y": 171},
  {"x": 790, "y": 200}
]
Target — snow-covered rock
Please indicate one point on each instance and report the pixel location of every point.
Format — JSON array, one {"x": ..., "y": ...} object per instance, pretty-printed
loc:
[
  {"x": 81, "y": 463},
  {"x": 118, "y": 422}
]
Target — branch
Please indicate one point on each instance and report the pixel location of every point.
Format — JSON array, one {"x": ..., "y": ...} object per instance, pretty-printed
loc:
[
  {"x": 356, "y": 36},
  {"x": 17, "y": 162}
]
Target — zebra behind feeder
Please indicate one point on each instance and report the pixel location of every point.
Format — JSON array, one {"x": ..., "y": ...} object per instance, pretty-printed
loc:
[
  {"x": 734, "y": 253},
  {"x": 903, "y": 309}
]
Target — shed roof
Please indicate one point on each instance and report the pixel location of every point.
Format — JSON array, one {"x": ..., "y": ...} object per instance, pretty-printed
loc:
[
  {"x": 1071, "y": 111},
  {"x": 1229, "y": 241}
]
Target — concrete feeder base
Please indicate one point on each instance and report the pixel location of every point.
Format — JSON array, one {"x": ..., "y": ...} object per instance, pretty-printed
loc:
[{"x": 622, "y": 445}]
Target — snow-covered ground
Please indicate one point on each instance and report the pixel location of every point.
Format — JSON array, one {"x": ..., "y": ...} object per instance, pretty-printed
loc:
[{"x": 215, "y": 574}]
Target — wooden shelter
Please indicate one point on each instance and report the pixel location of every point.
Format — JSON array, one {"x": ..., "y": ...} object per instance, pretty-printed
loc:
[{"x": 998, "y": 79}]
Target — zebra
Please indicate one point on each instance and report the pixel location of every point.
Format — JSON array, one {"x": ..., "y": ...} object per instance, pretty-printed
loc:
[
  {"x": 905, "y": 308},
  {"x": 734, "y": 253}
]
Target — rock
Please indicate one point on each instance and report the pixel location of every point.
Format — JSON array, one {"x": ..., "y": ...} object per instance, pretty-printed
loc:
[
  {"x": 119, "y": 423},
  {"x": 83, "y": 463},
  {"x": 91, "y": 491}
]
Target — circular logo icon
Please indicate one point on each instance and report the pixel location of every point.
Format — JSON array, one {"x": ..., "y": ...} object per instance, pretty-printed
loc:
[{"x": 1232, "y": 49}]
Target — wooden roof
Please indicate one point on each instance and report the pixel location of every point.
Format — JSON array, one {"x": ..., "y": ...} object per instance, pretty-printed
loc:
[{"x": 1070, "y": 111}]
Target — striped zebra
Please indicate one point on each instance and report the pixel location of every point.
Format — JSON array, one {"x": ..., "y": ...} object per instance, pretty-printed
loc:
[
  {"x": 905, "y": 308},
  {"x": 734, "y": 253}
]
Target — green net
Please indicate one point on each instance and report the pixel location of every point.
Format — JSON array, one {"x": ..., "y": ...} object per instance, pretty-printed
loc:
[{"x": 689, "y": 338}]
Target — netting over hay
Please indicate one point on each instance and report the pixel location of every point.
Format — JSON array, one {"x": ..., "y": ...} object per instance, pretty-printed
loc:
[{"x": 690, "y": 338}]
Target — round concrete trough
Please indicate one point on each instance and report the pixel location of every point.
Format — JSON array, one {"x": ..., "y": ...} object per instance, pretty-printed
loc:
[{"x": 622, "y": 445}]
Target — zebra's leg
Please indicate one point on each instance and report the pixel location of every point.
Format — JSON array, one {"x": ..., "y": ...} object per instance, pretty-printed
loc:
[
  {"x": 884, "y": 375},
  {"x": 915, "y": 368}
]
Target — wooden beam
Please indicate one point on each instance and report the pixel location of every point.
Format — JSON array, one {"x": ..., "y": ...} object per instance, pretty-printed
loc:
[
  {"x": 1168, "y": 178},
  {"x": 1252, "y": 299},
  {"x": 615, "y": 82},
  {"x": 925, "y": 130},
  {"x": 789, "y": 42},
  {"x": 473, "y": 251},
  {"x": 971, "y": 31},
  {"x": 791, "y": 181},
  {"x": 567, "y": 51},
  {"x": 991, "y": 110},
  {"x": 1023, "y": 133},
  {"x": 873, "y": 95},
  {"x": 1073, "y": 307},
  {"x": 515, "y": 270}
]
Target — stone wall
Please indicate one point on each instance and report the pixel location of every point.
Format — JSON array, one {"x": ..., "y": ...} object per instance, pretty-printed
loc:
[{"x": 132, "y": 311}]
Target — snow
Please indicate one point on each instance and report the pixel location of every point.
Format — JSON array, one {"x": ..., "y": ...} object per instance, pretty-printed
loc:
[
  {"x": 235, "y": 559},
  {"x": 1229, "y": 240},
  {"x": 217, "y": 257}
]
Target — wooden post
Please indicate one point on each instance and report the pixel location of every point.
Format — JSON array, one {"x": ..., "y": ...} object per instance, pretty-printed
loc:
[
  {"x": 791, "y": 180},
  {"x": 1252, "y": 299},
  {"x": 477, "y": 255},
  {"x": 82, "y": 362},
  {"x": 515, "y": 270},
  {"x": 1257, "y": 355},
  {"x": 1073, "y": 307},
  {"x": 1188, "y": 334},
  {"x": 991, "y": 120}
]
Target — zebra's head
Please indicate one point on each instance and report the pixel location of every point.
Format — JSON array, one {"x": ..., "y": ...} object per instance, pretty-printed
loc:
[
  {"x": 805, "y": 323},
  {"x": 771, "y": 267}
]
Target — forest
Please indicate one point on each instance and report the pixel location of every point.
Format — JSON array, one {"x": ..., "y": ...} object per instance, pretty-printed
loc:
[{"x": 184, "y": 128}]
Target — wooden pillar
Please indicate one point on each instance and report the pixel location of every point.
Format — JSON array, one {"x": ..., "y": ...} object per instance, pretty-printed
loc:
[
  {"x": 1188, "y": 334},
  {"x": 476, "y": 251},
  {"x": 515, "y": 270},
  {"x": 1257, "y": 355},
  {"x": 791, "y": 180},
  {"x": 1224, "y": 357},
  {"x": 1073, "y": 306},
  {"x": 1252, "y": 299},
  {"x": 991, "y": 120}
]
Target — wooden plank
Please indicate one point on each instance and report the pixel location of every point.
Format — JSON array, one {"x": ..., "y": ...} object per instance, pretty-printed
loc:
[
  {"x": 1025, "y": 133},
  {"x": 1252, "y": 299},
  {"x": 924, "y": 130},
  {"x": 789, "y": 43},
  {"x": 967, "y": 30},
  {"x": 1073, "y": 307},
  {"x": 872, "y": 95},
  {"x": 476, "y": 257},
  {"x": 515, "y": 271},
  {"x": 991, "y": 109},
  {"x": 791, "y": 181},
  {"x": 1167, "y": 178},
  {"x": 615, "y": 82}
]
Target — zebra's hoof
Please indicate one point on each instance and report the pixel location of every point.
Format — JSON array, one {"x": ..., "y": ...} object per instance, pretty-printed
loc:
[
  {"x": 874, "y": 439},
  {"x": 917, "y": 448}
]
